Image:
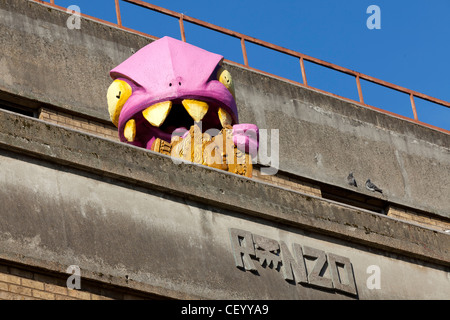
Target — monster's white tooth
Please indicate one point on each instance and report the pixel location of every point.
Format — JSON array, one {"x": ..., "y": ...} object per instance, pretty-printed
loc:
[
  {"x": 196, "y": 108},
  {"x": 225, "y": 118},
  {"x": 157, "y": 113},
  {"x": 130, "y": 130}
]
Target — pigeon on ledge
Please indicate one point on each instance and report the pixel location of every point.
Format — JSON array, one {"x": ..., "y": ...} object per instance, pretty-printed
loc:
[
  {"x": 370, "y": 186},
  {"x": 351, "y": 180}
]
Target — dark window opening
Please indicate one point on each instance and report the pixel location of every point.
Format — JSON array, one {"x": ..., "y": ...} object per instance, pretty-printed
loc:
[
  {"x": 18, "y": 109},
  {"x": 354, "y": 199}
]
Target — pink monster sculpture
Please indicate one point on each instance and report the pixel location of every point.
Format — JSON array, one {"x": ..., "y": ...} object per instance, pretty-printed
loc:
[{"x": 166, "y": 87}]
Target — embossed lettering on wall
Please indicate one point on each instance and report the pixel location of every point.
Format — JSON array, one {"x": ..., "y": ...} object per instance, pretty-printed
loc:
[{"x": 249, "y": 249}]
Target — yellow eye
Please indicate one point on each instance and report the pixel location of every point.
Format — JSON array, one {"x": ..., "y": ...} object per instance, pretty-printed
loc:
[
  {"x": 224, "y": 76},
  {"x": 118, "y": 93}
]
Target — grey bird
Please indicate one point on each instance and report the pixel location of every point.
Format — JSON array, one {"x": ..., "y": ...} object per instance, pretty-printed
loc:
[
  {"x": 351, "y": 180},
  {"x": 370, "y": 186}
]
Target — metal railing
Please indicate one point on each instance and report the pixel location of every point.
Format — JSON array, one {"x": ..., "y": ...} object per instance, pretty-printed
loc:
[{"x": 302, "y": 58}]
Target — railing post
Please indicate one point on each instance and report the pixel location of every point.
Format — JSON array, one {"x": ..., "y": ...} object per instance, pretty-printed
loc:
[
  {"x": 413, "y": 105},
  {"x": 183, "y": 36},
  {"x": 302, "y": 67},
  {"x": 119, "y": 18},
  {"x": 244, "y": 52},
  {"x": 358, "y": 85}
]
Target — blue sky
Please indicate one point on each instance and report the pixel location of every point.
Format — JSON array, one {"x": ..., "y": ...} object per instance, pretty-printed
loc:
[{"x": 411, "y": 49}]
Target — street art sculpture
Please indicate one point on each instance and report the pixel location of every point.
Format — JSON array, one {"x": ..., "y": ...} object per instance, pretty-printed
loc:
[{"x": 177, "y": 99}]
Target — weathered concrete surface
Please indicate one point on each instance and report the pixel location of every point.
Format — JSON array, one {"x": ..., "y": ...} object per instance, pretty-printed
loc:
[
  {"x": 321, "y": 138},
  {"x": 329, "y": 137},
  {"x": 135, "y": 218}
]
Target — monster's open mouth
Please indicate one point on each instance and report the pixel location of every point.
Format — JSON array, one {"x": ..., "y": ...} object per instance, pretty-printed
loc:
[{"x": 167, "y": 118}]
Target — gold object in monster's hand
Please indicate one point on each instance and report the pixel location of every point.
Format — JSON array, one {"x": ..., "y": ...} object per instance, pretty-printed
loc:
[{"x": 217, "y": 152}]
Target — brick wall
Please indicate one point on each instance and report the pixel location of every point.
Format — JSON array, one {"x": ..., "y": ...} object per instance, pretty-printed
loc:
[
  {"x": 285, "y": 181},
  {"x": 18, "y": 283},
  {"x": 79, "y": 123},
  {"x": 420, "y": 218}
]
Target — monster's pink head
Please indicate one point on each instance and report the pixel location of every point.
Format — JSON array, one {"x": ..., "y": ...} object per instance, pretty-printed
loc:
[{"x": 165, "y": 87}]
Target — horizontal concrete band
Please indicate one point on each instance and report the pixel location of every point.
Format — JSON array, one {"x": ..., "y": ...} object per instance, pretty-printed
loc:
[{"x": 220, "y": 189}]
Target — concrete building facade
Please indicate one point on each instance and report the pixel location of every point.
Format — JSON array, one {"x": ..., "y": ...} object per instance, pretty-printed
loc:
[{"x": 128, "y": 223}]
